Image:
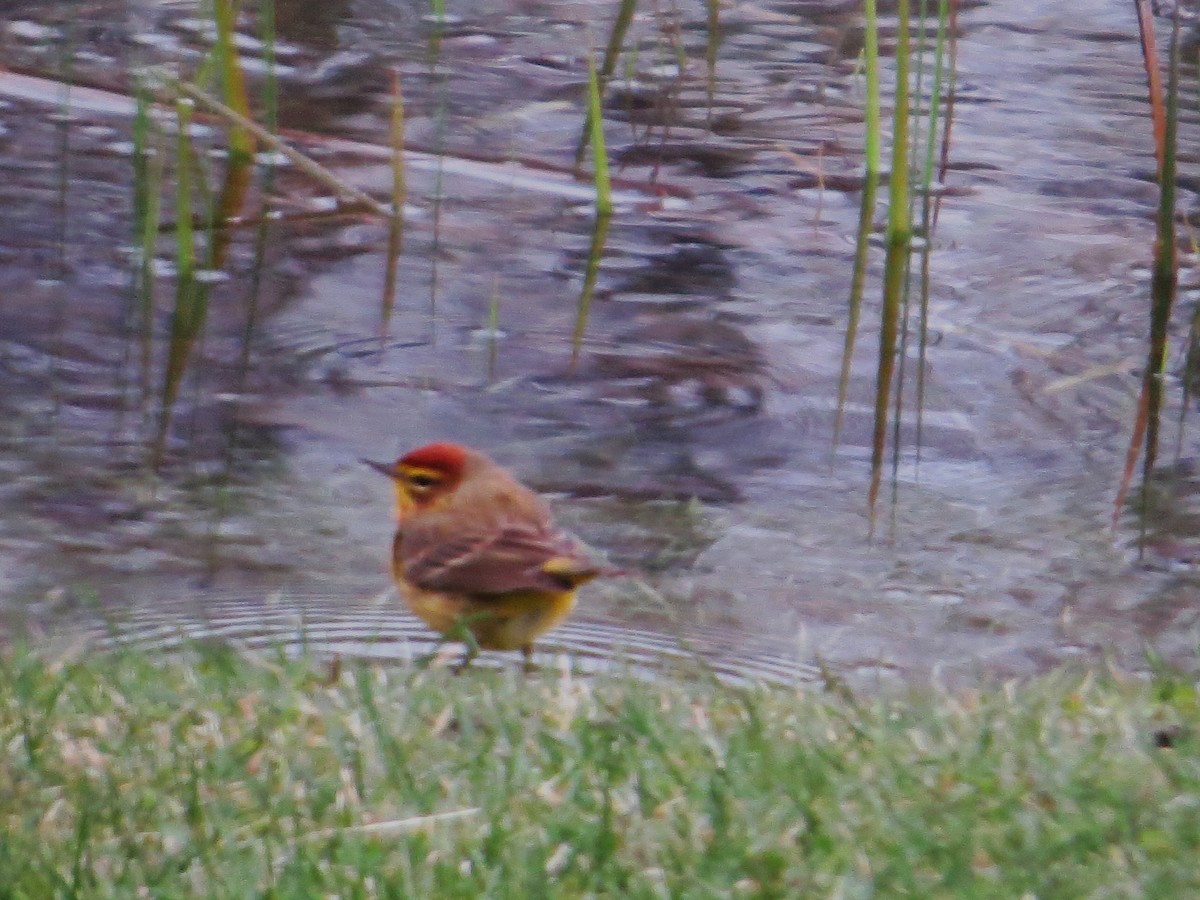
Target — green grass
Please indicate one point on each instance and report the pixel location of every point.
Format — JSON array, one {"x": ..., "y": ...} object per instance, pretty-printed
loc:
[{"x": 227, "y": 775}]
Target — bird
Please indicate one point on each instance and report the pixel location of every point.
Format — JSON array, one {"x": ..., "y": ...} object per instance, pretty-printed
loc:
[{"x": 477, "y": 555}]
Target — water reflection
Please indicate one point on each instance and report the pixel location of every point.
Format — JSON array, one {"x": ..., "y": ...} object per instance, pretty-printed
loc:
[
  {"x": 374, "y": 628},
  {"x": 314, "y": 25}
]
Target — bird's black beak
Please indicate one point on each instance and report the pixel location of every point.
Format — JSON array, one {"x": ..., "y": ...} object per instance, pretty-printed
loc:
[{"x": 384, "y": 468}]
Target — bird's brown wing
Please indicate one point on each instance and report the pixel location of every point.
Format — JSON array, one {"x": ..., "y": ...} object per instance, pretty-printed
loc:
[{"x": 511, "y": 557}]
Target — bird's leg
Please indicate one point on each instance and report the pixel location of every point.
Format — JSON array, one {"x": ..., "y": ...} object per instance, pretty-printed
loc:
[
  {"x": 467, "y": 658},
  {"x": 527, "y": 655},
  {"x": 335, "y": 670},
  {"x": 463, "y": 633}
]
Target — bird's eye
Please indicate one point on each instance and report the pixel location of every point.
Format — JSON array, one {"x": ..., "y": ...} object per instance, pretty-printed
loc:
[{"x": 422, "y": 481}]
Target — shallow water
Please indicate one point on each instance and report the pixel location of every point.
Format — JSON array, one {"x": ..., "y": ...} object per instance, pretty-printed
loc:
[{"x": 690, "y": 438}]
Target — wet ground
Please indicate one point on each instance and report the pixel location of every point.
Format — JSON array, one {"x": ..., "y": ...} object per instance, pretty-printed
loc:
[{"x": 689, "y": 436}]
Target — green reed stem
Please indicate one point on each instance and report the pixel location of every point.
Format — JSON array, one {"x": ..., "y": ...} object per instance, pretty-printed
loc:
[
  {"x": 1158, "y": 118},
  {"x": 183, "y": 316},
  {"x": 148, "y": 162},
  {"x": 612, "y": 53},
  {"x": 600, "y": 177},
  {"x": 950, "y": 29},
  {"x": 1163, "y": 278},
  {"x": 270, "y": 101},
  {"x": 270, "y": 105},
  {"x": 904, "y": 316},
  {"x": 441, "y": 78},
  {"x": 927, "y": 226},
  {"x": 233, "y": 80},
  {"x": 898, "y": 238},
  {"x": 399, "y": 196},
  {"x": 871, "y": 53},
  {"x": 866, "y": 213},
  {"x": 1191, "y": 365},
  {"x": 710, "y": 53},
  {"x": 185, "y": 249},
  {"x": 604, "y": 209},
  {"x": 493, "y": 328}
]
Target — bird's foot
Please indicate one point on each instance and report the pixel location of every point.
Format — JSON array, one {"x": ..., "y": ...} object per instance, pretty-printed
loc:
[
  {"x": 528, "y": 666},
  {"x": 465, "y": 663}
]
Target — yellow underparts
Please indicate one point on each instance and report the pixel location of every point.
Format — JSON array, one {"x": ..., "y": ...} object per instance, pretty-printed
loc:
[{"x": 510, "y": 621}]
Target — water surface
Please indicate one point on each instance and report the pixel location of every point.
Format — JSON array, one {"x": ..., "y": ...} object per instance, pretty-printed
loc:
[{"x": 689, "y": 436}]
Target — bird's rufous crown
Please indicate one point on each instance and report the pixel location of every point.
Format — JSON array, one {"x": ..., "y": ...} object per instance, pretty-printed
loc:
[{"x": 440, "y": 457}]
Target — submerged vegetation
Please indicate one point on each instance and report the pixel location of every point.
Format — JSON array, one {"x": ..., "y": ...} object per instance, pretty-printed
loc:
[{"x": 224, "y": 774}]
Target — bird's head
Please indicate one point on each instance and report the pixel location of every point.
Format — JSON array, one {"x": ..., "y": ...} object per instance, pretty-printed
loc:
[{"x": 425, "y": 475}]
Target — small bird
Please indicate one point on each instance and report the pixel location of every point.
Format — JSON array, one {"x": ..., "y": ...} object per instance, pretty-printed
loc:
[{"x": 477, "y": 550}]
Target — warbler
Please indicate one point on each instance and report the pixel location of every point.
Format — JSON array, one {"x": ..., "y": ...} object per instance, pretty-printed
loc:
[{"x": 477, "y": 550}]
